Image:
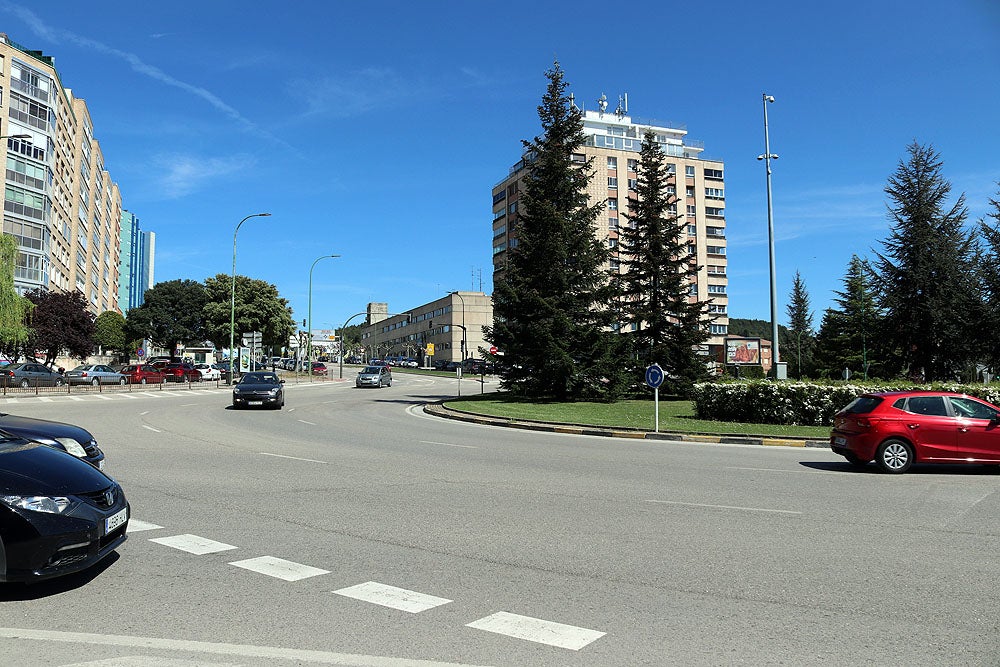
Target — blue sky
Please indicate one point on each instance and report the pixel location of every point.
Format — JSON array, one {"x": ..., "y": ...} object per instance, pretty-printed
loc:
[{"x": 376, "y": 130}]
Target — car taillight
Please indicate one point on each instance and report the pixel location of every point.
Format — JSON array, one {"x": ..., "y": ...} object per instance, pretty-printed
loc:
[
  {"x": 83, "y": 374},
  {"x": 864, "y": 422}
]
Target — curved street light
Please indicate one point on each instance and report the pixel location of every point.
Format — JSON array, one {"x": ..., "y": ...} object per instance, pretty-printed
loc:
[
  {"x": 463, "y": 323},
  {"x": 232, "y": 300},
  {"x": 309, "y": 328}
]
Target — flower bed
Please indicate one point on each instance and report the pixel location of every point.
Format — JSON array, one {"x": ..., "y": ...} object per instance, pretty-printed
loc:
[{"x": 802, "y": 403}]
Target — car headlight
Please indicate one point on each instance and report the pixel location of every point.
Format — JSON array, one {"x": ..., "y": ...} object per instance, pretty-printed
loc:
[
  {"x": 236, "y": 390},
  {"x": 273, "y": 392},
  {"x": 49, "y": 504},
  {"x": 73, "y": 447}
]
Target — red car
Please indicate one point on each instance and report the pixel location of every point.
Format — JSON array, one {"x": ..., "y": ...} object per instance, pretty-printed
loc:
[
  {"x": 318, "y": 368},
  {"x": 142, "y": 374},
  {"x": 898, "y": 429},
  {"x": 181, "y": 372}
]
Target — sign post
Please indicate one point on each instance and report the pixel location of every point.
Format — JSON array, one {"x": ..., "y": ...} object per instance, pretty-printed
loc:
[{"x": 654, "y": 378}]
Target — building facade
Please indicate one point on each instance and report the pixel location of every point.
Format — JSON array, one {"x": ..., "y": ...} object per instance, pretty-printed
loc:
[
  {"x": 136, "y": 254},
  {"x": 60, "y": 203},
  {"x": 613, "y": 141},
  {"x": 453, "y": 324}
]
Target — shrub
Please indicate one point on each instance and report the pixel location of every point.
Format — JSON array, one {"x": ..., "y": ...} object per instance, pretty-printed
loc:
[{"x": 802, "y": 403}]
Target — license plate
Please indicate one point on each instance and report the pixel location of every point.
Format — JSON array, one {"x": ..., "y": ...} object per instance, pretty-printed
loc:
[
  {"x": 115, "y": 520},
  {"x": 840, "y": 441},
  {"x": 255, "y": 402}
]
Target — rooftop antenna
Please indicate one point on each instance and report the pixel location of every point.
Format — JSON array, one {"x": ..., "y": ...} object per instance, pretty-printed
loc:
[
  {"x": 572, "y": 101},
  {"x": 602, "y": 103}
]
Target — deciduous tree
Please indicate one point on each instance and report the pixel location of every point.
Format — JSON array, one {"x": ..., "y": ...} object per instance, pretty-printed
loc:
[
  {"x": 259, "y": 307},
  {"x": 14, "y": 308},
  {"x": 60, "y": 322},
  {"x": 109, "y": 332},
  {"x": 172, "y": 313}
]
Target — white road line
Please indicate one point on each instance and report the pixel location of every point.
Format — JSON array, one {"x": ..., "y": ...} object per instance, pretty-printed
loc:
[
  {"x": 268, "y": 653},
  {"x": 144, "y": 412},
  {"x": 723, "y": 507},
  {"x": 393, "y": 597},
  {"x": 188, "y": 405},
  {"x": 305, "y": 422},
  {"x": 150, "y": 428},
  {"x": 279, "y": 568},
  {"x": 294, "y": 458},
  {"x": 446, "y": 444},
  {"x": 75, "y": 398},
  {"x": 136, "y": 526},
  {"x": 151, "y": 394},
  {"x": 193, "y": 544},
  {"x": 128, "y": 396},
  {"x": 811, "y": 472},
  {"x": 537, "y": 630},
  {"x": 44, "y": 399},
  {"x": 103, "y": 397}
]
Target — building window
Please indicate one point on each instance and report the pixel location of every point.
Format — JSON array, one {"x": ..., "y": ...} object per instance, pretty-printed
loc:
[
  {"x": 689, "y": 192},
  {"x": 692, "y": 210},
  {"x": 671, "y": 189},
  {"x": 715, "y": 193},
  {"x": 612, "y": 223},
  {"x": 512, "y": 208},
  {"x": 715, "y": 212},
  {"x": 633, "y": 184},
  {"x": 612, "y": 162},
  {"x": 716, "y": 289},
  {"x": 713, "y": 174},
  {"x": 612, "y": 243},
  {"x": 689, "y": 171},
  {"x": 612, "y": 204},
  {"x": 716, "y": 269},
  {"x": 718, "y": 308},
  {"x": 500, "y": 196},
  {"x": 716, "y": 231},
  {"x": 692, "y": 249},
  {"x": 692, "y": 230},
  {"x": 632, "y": 165},
  {"x": 716, "y": 250},
  {"x": 612, "y": 182},
  {"x": 671, "y": 168},
  {"x": 578, "y": 158},
  {"x": 719, "y": 328}
]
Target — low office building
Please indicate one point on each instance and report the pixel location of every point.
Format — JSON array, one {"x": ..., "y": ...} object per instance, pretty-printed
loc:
[{"x": 448, "y": 329}]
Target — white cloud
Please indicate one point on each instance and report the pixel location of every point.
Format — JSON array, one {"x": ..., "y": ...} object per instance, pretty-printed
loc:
[{"x": 184, "y": 174}]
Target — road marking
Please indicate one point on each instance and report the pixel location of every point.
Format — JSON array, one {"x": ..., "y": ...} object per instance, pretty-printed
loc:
[
  {"x": 269, "y": 653},
  {"x": 154, "y": 430},
  {"x": 305, "y": 422},
  {"x": 193, "y": 544},
  {"x": 294, "y": 458},
  {"x": 144, "y": 412},
  {"x": 810, "y": 472},
  {"x": 393, "y": 597},
  {"x": 103, "y": 397},
  {"x": 279, "y": 568},
  {"x": 446, "y": 444},
  {"x": 44, "y": 399},
  {"x": 724, "y": 507},
  {"x": 188, "y": 405},
  {"x": 537, "y": 630},
  {"x": 129, "y": 397},
  {"x": 136, "y": 526}
]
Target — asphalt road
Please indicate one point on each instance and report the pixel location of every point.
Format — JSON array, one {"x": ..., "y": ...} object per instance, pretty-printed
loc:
[{"x": 352, "y": 529}]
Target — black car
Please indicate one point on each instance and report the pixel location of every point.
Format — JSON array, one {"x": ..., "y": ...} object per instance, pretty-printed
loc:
[
  {"x": 259, "y": 389},
  {"x": 72, "y": 439},
  {"x": 58, "y": 515}
]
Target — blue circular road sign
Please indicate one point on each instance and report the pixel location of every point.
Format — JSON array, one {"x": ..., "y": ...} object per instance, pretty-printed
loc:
[{"x": 654, "y": 376}]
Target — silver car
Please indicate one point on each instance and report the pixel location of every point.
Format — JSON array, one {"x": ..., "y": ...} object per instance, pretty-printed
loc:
[
  {"x": 94, "y": 374},
  {"x": 374, "y": 376}
]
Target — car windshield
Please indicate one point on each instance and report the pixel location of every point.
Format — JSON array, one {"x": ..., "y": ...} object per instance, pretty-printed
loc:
[
  {"x": 82, "y": 367},
  {"x": 371, "y": 369},
  {"x": 259, "y": 378},
  {"x": 862, "y": 405}
]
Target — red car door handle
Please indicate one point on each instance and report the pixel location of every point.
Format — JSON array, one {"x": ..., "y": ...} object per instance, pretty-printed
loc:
[
  {"x": 963, "y": 429},
  {"x": 912, "y": 426}
]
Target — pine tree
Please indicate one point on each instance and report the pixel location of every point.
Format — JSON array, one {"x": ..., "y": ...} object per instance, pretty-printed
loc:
[
  {"x": 655, "y": 286},
  {"x": 849, "y": 334},
  {"x": 926, "y": 272},
  {"x": 799, "y": 337},
  {"x": 551, "y": 303},
  {"x": 989, "y": 280}
]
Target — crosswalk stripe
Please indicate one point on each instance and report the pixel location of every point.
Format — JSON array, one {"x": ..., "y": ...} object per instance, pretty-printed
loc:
[
  {"x": 279, "y": 568},
  {"x": 193, "y": 544},
  {"x": 537, "y": 630},
  {"x": 393, "y": 597}
]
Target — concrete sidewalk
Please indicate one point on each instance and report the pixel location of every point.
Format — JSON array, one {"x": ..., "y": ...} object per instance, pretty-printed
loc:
[{"x": 439, "y": 410}]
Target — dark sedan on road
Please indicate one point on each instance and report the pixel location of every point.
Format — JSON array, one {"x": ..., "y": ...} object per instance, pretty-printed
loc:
[
  {"x": 898, "y": 429},
  {"x": 58, "y": 515},
  {"x": 259, "y": 389},
  {"x": 67, "y": 437}
]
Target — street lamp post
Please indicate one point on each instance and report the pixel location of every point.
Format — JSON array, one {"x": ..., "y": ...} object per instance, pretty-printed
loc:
[
  {"x": 463, "y": 323},
  {"x": 309, "y": 328},
  {"x": 232, "y": 300},
  {"x": 767, "y": 157}
]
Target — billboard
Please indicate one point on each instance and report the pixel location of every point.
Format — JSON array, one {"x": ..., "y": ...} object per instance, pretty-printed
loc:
[{"x": 743, "y": 351}]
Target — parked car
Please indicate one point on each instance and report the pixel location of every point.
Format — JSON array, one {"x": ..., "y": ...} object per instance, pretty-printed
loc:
[
  {"x": 374, "y": 376},
  {"x": 58, "y": 515},
  {"x": 318, "y": 368},
  {"x": 208, "y": 372},
  {"x": 94, "y": 374},
  {"x": 353, "y": 360},
  {"x": 31, "y": 374},
  {"x": 259, "y": 389},
  {"x": 181, "y": 372},
  {"x": 898, "y": 429},
  {"x": 66, "y": 437},
  {"x": 142, "y": 374},
  {"x": 223, "y": 368}
]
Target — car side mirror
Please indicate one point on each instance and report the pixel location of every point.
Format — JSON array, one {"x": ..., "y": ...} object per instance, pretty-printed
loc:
[{"x": 281, "y": 382}]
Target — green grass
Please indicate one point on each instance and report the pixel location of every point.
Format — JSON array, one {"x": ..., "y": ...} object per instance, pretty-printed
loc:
[{"x": 675, "y": 416}]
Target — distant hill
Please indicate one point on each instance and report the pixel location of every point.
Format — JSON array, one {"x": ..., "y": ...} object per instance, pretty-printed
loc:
[{"x": 739, "y": 326}]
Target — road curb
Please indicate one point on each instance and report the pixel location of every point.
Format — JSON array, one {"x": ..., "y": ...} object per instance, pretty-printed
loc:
[{"x": 440, "y": 410}]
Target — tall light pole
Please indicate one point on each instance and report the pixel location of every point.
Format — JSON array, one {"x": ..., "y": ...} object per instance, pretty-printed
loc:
[
  {"x": 463, "y": 323},
  {"x": 767, "y": 157},
  {"x": 309, "y": 328},
  {"x": 232, "y": 299}
]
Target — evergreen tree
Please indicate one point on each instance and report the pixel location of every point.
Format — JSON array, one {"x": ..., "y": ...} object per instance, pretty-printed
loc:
[
  {"x": 658, "y": 273},
  {"x": 989, "y": 280},
  {"x": 551, "y": 303},
  {"x": 926, "y": 273},
  {"x": 799, "y": 335},
  {"x": 172, "y": 313},
  {"x": 847, "y": 333}
]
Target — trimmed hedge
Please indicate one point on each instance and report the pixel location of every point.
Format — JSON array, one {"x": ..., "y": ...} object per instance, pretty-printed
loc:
[{"x": 802, "y": 403}]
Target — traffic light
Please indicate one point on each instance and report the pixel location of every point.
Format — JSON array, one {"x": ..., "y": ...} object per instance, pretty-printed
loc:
[{"x": 303, "y": 321}]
